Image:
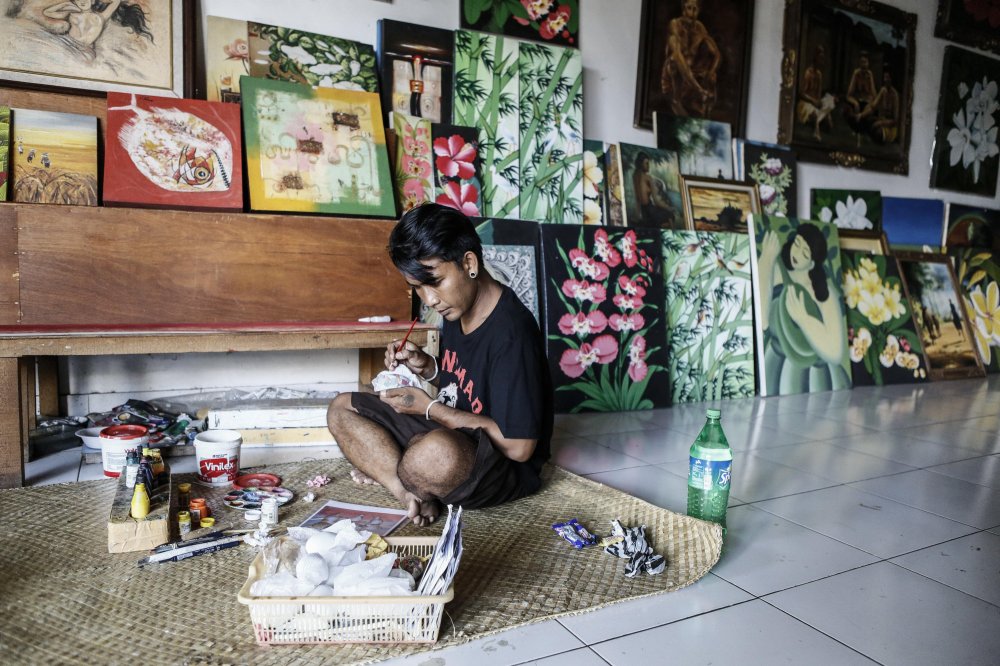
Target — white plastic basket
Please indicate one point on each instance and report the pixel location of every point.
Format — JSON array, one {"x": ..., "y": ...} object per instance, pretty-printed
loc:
[{"x": 294, "y": 620}]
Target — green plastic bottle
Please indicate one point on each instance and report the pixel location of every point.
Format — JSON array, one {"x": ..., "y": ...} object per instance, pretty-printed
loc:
[{"x": 709, "y": 472}]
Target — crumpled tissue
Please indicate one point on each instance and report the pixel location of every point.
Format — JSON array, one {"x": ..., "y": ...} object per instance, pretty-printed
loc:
[{"x": 398, "y": 377}]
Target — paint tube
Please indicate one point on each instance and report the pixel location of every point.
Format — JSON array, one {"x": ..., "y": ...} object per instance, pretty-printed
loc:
[{"x": 178, "y": 554}]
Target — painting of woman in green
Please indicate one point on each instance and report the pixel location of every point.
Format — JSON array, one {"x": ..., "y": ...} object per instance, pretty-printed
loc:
[{"x": 801, "y": 325}]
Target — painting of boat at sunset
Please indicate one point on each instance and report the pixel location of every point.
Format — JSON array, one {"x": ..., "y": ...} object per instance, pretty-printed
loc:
[{"x": 54, "y": 158}]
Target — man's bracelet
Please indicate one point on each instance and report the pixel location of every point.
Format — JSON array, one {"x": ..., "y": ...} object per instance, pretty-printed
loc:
[
  {"x": 431, "y": 378},
  {"x": 427, "y": 412}
]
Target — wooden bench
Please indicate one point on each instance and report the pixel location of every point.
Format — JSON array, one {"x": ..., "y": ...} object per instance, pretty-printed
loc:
[{"x": 107, "y": 281}]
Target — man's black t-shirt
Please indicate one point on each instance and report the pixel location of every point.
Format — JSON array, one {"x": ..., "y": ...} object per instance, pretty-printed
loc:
[{"x": 499, "y": 370}]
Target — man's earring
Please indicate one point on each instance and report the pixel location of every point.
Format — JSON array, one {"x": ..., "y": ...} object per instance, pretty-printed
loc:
[{"x": 473, "y": 274}]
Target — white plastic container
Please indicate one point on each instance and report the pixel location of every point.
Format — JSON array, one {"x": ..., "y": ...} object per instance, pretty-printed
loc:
[
  {"x": 218, "y": 456},
  {"x": 116, "y": 441}
]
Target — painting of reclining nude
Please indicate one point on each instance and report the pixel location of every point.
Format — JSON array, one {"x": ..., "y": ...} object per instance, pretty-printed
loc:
[
  {"x": 847, "y": 101},
  {"x": 124, "y": 45}
]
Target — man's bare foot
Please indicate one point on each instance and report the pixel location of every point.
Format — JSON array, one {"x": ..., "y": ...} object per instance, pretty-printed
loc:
[
  {"x": 421, "y": 512},
  {"x": 363, "y": 479}
]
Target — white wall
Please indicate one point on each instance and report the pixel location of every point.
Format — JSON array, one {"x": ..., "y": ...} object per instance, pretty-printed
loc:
[{"x": 609, "y": 36}]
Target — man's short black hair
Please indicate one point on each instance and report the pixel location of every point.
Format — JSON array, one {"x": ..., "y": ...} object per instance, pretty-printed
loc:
[{"x": 432, "y": 231}]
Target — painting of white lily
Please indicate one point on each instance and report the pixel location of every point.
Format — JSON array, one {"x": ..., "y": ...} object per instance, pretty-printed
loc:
[{"x": 856, "y": 210}]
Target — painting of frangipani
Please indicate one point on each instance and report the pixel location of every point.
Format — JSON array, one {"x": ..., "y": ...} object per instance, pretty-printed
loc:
[
  {"x": 978, "y": 273},
  {"x": 604, "y": 318},
  {"x": 457, "y": 181},
  {"x": 966, "y": 156},
  {"x": 856, "y": 211},
  {"x": 594, "y": 181},
  {"x": 315, "y": 150},
  {"x": 709, "y": 315},
  {"x": 885, "y": 347},
  {"x": 179, "y": 153}
]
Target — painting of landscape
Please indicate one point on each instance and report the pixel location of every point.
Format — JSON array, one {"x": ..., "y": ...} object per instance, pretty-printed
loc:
[{"x": 54, "y": 158}]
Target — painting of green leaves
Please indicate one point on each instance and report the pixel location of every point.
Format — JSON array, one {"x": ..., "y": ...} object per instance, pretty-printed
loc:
[
  {"x": 966, "y": 157},
  {"x": 978, "y": 272},
  {"x": 286, "y": 54},
  {"x": 799, "y": 318},
  {"x": 594, "y": 181},
  {"x": 552, "y": 21},
  {"x": 4, "y": 150},
  {"x": 885, "y": 347},
  {"x": 773, "y": 168},
  {"x": 854, "y": 210},
  {"x": 709, "y": 315},
  {"x": 487, "y": 96},
  {"x": 551, "y": 142},
  {"x": 606, "y": 337}
]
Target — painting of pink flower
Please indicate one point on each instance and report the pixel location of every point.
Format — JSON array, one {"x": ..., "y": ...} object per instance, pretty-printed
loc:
[
  {"x": 582, "y": 290},
  {"x": 463, "y": 197},
  {"x": 582, "y": 325},
  {"x": 628, "y": 248},
  {"x": 574, "y": 362},
  {"x": 595, "y": 270},
  {"x": 416, "y": 167},
  {"x": 626, "y": 302},
  {"x": 555, "y": 22},
  {"x": 637, "y": 368},
  {"x": 455, "y": 157},
  {"x": 625, "y": 323},
  {"x": 605, "y": 250},
  {"x": 631, "y": 287}
]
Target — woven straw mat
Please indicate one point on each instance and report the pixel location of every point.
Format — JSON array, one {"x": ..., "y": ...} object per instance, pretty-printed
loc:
[{"x": 65, "y": 600}]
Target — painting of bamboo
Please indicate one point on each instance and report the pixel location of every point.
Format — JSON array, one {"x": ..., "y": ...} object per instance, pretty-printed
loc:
[
  {"x": 709, "y": 315},
  {"x": 799, "y": 318},
  {"x": 487, "y": 92},
  {"x": 551, "y": 142}
]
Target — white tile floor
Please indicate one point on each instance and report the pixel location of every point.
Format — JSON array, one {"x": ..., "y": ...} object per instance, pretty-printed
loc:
[{"x": 864, "y": 527}]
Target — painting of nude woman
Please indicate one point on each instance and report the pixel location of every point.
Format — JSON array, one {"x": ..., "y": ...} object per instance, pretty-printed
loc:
[
  {"x": 693, "y": 57},
  {"x": 124, "y": 45}
]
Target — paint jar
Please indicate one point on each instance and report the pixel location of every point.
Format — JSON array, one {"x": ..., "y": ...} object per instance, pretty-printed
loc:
[
  {"x": 251, "y": 516},
  {"x": 184, "y": 494},
  {"x": 115, "y": 443},
  {"x": 199, "y": 509},
  {"x": 269, "y": 513},
  {"x": 183, "y": 522},
  {"x": 207, "y": 522},
  {"x": 218, "y": 456}
]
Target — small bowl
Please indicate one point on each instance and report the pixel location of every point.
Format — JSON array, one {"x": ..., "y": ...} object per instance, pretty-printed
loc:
[{"x": 91, "y": 437}]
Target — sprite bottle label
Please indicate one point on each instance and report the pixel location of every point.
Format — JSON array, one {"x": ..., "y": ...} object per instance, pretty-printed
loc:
[{"x": 709, "y": 474}]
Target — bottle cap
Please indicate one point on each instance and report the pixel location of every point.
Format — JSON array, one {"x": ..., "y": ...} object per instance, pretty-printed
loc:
[
  {"x": 184, "y": 487},
  {"x": 713, "y": 413},
  {"x": 207, "y": 522},
  {"x": 183, "y": 517}
]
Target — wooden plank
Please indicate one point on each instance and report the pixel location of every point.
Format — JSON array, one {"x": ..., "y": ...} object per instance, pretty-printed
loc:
[
  {"x": 11, "y": 460},
  {"x": 108, "y": 266},
  {"x": 48, "y": 385},
  {"x": 9, "y": 275},
  {"x": 26, "y": 375}
]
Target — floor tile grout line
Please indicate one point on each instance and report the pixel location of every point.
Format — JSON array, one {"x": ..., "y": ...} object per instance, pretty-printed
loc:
[
  {"x": 572, "y": 633},
  {"x": 939, "y": 582}
]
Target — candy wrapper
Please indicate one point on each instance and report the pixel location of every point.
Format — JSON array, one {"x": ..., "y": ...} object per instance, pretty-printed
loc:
[
  {"x": 634, "y": 548},
  {"x": 575, "y": 533},
  {"x": 398, "y": 377}
]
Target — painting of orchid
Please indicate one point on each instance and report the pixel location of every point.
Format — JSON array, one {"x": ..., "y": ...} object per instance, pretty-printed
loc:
[
  {"x": 978, "y": 273},
  {"x": 412, "y": 161},
  {"x": 773, "y": 168},
  {"x": 966, "y": 156},
  {"x": 709, "y": 315},
  {"x": 487, "y": 96},
  {"x": 551, "y": 141},
  {"x": 605, "y": 328},
  {"x": 850, "y": 210},
  {"x": 551, "y": 21},
  {"x": 456, "y": 168},
  {"x": 885, "y": 347}
]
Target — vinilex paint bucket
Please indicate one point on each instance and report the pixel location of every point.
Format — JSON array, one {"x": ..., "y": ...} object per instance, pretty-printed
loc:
[
  {"x": 116, "y": 441},
  {"x": 218, "y": 456}
]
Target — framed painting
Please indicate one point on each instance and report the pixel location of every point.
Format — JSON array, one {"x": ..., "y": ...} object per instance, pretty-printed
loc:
[
  {"x": 709, "y": 315},
  {"x": 416, "y": 64},
  {"x": 864, "y": 244},
  {"x": 885, "y": 347},
  {"x": 614, "y": 203},
  {"x": 966, "y": 157},
  {"x": 540, "y": 20},
  {"x": 978, "y": 274},
  {"x": 703, "y": 147},
  {"x": 799, "y": 317},
  {"x": 858, "y": 211},
  {"x": 225, "y": 58},
  {"x": 604, "y": 320},
  {"x": 913, "y": 225},
  {"x": 974, "y": 23},
  {"x": 694, "y": 60},
  {"x": 847, "y": 83},
  {"x": 413, "y": 160},
  {"x": 298, "y": 56},
  {"x": 4, "y": 150},
  {"x": 54, "y": 158},
  {"x": 512, "y": 254},
  {"x": 718, "y": 205},
  {"x": 315, "y": 150},
  {"x": 651, "y": 186},
  {"x": 457, "y": 181},
  {"x": 773, "y": 168},
  {"x": 972, "y": 226},
  {"x": 172, "y": 153},
  {"x": 941, "y": 322},
  {"x": 594, "y": 183},
  {"x": 123, "y": 45}
]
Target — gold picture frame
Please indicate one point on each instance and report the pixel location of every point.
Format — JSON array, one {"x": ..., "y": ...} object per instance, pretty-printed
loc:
[
  {"x": 863, "y": 242},
  {"x": 711, "y": 204}
]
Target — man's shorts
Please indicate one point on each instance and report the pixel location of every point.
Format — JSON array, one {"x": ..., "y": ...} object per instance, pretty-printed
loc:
[{"x": 495, "y": 478}]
